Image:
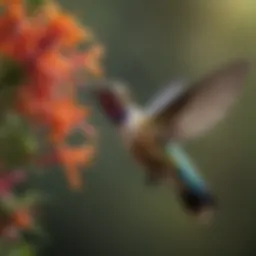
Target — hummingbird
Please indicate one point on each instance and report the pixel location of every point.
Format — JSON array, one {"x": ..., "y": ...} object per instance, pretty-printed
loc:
[{"x": 153, "y": 133}]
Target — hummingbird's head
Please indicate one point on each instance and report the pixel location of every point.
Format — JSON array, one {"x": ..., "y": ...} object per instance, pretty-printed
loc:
[{"x": 114, "y": 100}]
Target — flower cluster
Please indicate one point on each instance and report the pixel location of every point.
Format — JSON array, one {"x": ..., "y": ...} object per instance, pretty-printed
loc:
[
  {"x": 46, "y": 46},
  {"x": 42, "y": 66}
]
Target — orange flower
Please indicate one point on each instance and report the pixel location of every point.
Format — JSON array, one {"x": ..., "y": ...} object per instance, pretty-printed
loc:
[
  {"x": 46, "y": 46},
  {"x": 25, "y": 44},
  {"x": 30, "y": 106},
  {"x": 50, "y": 10},
  {"x": 68, "y": 31},
  {"x": 92, "y": 61},
  {"x": 55, "y": 66},
  {"x": 73, "y": 159},
  {"x": 10, "y": 25},
  {"x": 64, "y": 117},
  {"x": 22, "y": 218}
]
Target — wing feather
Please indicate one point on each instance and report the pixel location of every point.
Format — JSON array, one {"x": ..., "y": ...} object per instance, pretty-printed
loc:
[{"x": 202, "y": 105}]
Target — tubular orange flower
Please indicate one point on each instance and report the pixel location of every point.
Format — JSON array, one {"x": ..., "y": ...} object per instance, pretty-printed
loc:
[
  {"x": 46, "y": 46},
  {"x": 65, "y": 118},
  {"x": 22, "y": 218},
  {"x": 74, "y": 159},
  {"x": 10, "y": 25}
]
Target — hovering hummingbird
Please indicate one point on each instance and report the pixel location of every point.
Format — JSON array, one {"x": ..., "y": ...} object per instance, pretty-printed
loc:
[{"x": 179, "y": 112}]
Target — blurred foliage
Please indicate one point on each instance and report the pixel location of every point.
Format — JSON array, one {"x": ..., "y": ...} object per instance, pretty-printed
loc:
[
  {"x": 33, "y": 5},
  {"x": 17, "y": 142},
  {"x": 11, "y": 73}
]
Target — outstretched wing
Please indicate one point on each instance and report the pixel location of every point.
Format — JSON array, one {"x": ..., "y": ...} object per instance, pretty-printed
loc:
[
  {"x": 196, "y": 109},
  {"x": 166, "y": 98}
]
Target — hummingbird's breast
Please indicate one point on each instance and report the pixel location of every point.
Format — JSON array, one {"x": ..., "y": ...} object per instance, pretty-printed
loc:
[
  {"x": 140, "y": 135},
  {"x": 132, "y": 125}
]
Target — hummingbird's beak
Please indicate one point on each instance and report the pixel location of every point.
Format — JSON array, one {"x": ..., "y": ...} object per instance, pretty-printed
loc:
[{"x": 98, "y": 85}]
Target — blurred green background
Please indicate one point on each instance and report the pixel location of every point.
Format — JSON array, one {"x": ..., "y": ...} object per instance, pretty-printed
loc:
[{"x": 149, "y": 43}]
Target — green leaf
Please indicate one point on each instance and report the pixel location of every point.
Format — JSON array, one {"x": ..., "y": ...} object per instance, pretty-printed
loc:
[
  {"x": 11, "y": 73},
  {"x": 17, "y": 142},
  {"x": 15, "y": 247},
  {"x": 38, "y": 231},
  {"x": 12, "y": 202},
  {"x": 26, "y": 250},
  {"x": 30, "y": 198},
  {"x": 16, "y": 150},
  {"x": 33, "y": 5},
  {"x": 7, "y": 99},
  {"x": 23, "y": 249},
  {"x": 9, "y": 204}
]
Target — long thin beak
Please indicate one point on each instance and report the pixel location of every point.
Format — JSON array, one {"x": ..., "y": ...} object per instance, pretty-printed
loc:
[
  {"x": 96, "y": 87},
  {"x": 98, "y": 84}
]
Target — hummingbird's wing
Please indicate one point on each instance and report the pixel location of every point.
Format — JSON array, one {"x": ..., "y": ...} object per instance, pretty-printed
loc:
[
  {"x": 166, "y": 98},
  {"x": 190, "y": 112}
]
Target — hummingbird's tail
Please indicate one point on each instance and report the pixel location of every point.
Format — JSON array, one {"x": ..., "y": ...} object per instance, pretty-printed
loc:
[
  {"x": 195, "y": 195},
  {"x": 202, "y": 203}
]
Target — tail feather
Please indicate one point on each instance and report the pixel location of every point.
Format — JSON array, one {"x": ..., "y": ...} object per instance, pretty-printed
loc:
[{"x": 194, "y": 193}]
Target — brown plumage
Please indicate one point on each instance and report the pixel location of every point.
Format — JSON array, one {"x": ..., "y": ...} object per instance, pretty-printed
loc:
[{"x": 147, "y": 151}]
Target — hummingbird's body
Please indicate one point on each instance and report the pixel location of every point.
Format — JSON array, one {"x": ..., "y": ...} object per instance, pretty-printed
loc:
[
  {"x": 152, "y": 134},
  {"x": 139, "y": 134},
  {"x": 142, "y": 137}
]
